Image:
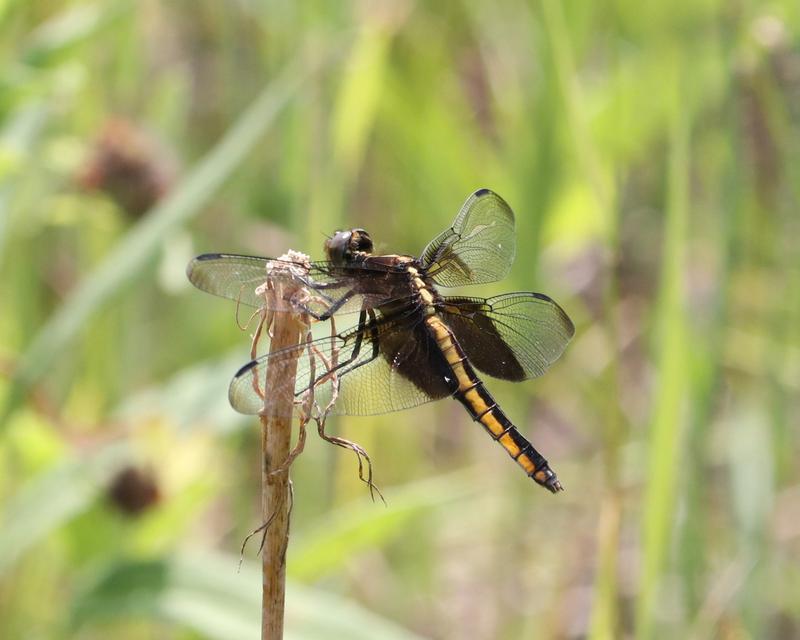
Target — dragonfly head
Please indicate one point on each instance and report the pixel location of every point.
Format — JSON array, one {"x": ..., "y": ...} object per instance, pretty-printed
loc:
[{"x": 345, "y": 245}]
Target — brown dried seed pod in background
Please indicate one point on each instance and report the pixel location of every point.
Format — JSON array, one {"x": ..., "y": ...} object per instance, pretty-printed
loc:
[
  {"x": 130, "y": 165},
  {"x": 133, "y": 490}
]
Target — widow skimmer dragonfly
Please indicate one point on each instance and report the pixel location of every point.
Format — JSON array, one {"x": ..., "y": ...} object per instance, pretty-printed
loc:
[{"x": 410, "y": 344}]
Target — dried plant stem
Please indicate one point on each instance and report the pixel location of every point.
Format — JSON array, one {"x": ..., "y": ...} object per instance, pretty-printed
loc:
[{"x": 276, "y": 434}]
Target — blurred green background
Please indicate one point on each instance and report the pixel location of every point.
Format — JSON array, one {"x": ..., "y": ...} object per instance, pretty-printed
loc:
[{"x": 651, "y": 152}]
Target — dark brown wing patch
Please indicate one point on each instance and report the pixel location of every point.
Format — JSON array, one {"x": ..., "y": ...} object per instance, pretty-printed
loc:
[{"x": 514, "y": 336}]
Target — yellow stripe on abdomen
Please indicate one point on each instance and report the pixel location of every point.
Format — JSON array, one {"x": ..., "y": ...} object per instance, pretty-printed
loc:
[{"x": 473, "y": 395}]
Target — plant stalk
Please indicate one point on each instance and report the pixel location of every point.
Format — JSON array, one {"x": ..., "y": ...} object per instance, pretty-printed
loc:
[{"x": 276, "y": 434}]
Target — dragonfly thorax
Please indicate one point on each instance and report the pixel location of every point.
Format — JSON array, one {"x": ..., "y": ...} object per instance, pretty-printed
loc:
[{"x": 345, "y": 246}]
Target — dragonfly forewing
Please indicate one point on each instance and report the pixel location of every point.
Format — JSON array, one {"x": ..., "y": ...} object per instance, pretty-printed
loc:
[{"x": 324, "y": 288}]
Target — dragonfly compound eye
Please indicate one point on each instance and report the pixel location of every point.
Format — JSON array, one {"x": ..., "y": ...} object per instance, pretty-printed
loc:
[{"x": 338, "y": 247}]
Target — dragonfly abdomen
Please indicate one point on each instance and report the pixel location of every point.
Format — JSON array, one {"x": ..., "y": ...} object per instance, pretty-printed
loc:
[{"x": 472, "y": 393}]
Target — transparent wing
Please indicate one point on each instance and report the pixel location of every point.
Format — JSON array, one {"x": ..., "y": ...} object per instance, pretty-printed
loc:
[
  {"x": 513, "y": 336},
  {"x": 379, "y": 367},
  {"x": 325, "y": 287},
  {"x": 478, "y": 248}
]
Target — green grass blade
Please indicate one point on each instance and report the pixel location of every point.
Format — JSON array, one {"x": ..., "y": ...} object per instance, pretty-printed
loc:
[
  {"x": 334, "y": 541},
  {"x": 52, "y": 499},
  {"x": 193, "y": 397},
  {"x": 19, "y": 134},
  {"x": 76, "y": 24},
  {"x": 669, "y": 413},
  {"x": 206, "y": 593}
]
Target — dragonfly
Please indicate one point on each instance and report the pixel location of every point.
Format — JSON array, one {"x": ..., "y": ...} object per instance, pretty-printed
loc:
[{"x": 408, "y": 344}]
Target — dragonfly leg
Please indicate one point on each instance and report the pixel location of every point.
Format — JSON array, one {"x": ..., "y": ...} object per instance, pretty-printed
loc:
[
  {"x": 332, "y": 309},
  {"x": 361, "y": 455},
  {"x": 296, "y": 451},
  {"x": 352, "y": 357}
]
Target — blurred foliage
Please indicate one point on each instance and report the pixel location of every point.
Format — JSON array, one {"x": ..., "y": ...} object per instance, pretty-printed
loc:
[{"x": 651, "y": 152}]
